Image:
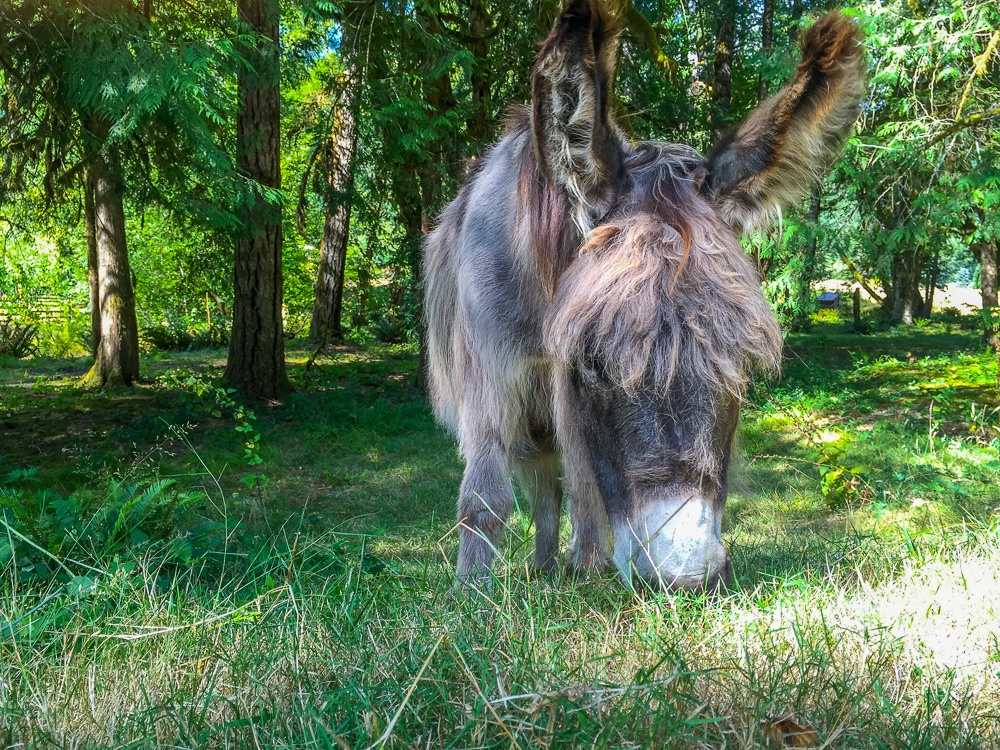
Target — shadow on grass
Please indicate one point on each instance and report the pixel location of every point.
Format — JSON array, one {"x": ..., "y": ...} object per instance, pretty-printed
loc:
[{"x": 355, "y": 448}]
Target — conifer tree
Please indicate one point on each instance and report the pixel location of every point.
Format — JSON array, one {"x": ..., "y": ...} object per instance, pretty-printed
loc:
[{"x": 256, "y": 364}]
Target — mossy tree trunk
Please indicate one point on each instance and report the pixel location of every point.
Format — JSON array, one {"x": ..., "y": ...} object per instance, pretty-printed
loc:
[
  {"x": 256, "y": 364},
  {"x": 93, "y": 272},
  {"x": 904, "y": 302},
  {"x": 116, "y": 360},
  {"x": 988, "y": 255}
]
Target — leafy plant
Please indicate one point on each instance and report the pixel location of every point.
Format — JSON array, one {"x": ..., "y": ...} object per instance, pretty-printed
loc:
[
  {"x": 46, "y": 535},
  {"x": 174, "y": 335},
  {"x": 840, "y": 483},
  {"x": 392, "y": 329},
  {"x": 223, "y": 404},
  {"x": 18, "y": 340}
]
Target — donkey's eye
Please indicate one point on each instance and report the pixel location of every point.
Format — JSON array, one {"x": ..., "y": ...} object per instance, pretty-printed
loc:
[{"x": 593, "y": 371}]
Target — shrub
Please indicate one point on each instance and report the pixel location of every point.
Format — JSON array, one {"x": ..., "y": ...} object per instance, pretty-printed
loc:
[
  {"x": 18, "y": 340},
  {"x": 44, "y": 532},
  {"x": 175, "y": 336},
  {"x": 392, "y": 329}
]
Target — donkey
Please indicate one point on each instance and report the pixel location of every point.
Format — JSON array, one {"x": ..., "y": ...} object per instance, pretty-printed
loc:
[{"x": 587, "y": 298}]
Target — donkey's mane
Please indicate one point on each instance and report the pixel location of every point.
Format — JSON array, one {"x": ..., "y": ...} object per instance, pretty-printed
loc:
[{"x": 662, "y": 296}]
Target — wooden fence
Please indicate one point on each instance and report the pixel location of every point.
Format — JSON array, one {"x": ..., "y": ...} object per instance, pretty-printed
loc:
[{"x": 45, "y": 309}]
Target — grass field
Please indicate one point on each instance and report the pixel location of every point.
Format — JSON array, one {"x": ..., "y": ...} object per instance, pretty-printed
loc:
[{"x": 167, "y": 578}]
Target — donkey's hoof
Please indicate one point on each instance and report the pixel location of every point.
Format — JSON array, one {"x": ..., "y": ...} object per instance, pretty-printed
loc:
[{"x": 592, "y": 565}]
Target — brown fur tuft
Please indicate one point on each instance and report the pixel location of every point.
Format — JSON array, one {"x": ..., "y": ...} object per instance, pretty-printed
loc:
[
  {"x": 542, "y": 211},
  {"x": 576, "y": 143}
]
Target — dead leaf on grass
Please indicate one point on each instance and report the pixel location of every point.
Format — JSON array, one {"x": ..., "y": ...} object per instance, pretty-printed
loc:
[{"x": 784, "y": 731}]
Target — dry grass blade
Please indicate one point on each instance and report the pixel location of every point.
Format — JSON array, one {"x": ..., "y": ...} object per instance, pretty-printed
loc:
[
  {"x": 486, "y": 701},
  {"x": 157, "y": 631}
]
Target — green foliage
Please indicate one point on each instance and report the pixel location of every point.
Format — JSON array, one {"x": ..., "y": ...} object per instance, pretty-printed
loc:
[
  {"x": 223, "y": 404},
  {"x": 915, "y": 189},
  {"x": 173, "y": 335},
  {"x": 48, "y": 536},
  {"x": 18, "y": 340}
]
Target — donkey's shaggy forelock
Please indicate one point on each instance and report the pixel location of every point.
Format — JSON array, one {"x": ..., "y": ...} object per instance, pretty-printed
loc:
[{"x": 663, "y": 291}]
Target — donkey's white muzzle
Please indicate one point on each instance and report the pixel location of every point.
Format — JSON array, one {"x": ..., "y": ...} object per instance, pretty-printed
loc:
[{"x": 673, "y": 542}]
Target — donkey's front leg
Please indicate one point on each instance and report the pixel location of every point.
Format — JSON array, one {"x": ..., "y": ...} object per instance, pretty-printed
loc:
[
  {"x": 484, "y": 505},
  {"x": 588, "y": 547}
]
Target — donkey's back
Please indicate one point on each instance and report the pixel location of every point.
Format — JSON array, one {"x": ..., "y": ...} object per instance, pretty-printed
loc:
[{"x": 484, "y": 301}]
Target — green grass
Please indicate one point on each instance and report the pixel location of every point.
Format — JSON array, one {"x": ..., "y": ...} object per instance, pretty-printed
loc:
[{"x": 320, "y": 611}]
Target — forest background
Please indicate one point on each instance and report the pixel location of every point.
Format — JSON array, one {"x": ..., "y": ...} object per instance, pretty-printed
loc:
[{"x": 382, "y": 107}]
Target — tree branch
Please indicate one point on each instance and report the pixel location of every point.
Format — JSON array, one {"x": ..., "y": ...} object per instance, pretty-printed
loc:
[
  {"x": 861, "y": 279},
  {"x": 962, "y": 124},
  {"x": 978, "y": 69},
  {"x": 644, "y": 36}
]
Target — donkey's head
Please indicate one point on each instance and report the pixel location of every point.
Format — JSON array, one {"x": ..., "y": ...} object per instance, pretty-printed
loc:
[{"x": 659, "y": 322}]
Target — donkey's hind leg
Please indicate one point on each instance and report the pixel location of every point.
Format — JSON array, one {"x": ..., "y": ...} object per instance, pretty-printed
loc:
[
  {"x": 484, "y": 505},
  {"x": 539, "y": 478}
]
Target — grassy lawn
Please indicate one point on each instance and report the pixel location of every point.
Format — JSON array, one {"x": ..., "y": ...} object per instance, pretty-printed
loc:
[{"x": 161, "y": 584}]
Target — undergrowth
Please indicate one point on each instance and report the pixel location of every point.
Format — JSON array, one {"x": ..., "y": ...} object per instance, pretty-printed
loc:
[{"x": 281, "y": 577}]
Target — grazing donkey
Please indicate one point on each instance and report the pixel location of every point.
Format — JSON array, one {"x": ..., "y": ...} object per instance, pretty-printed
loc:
[{"x": 588, "y": 297}]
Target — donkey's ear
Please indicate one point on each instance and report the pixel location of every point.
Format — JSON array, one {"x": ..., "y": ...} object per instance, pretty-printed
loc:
[
  {"x": 772, "y": 158},
  {"x": 574, "y": 137}
]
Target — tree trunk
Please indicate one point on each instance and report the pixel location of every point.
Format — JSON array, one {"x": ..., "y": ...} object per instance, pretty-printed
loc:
[
  {"x": 905, "y": 301},
  {"x": 412, "y": 217},
  {"x": 364, "y": 268},
  {"x": 989, "y": 257},
  {"x": 803, "y": 302},
  {"x": 986, "y": 254},
  {"x": 932, "y": 280},
  {"x": 479, "y": 123},
  {"x": 897, "y": 290},
  {"x": 722, "y": 66},
  {"x": 328, "y": 303},
  {"x": 93, "y": 264},
  {"x": 794, "y": 16},
  {"x": 908, "y": 316},
  {"x": 117, "y": 358},
  {"x": 766, "y": 47},
  {"x": 256, "y": 364}
]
